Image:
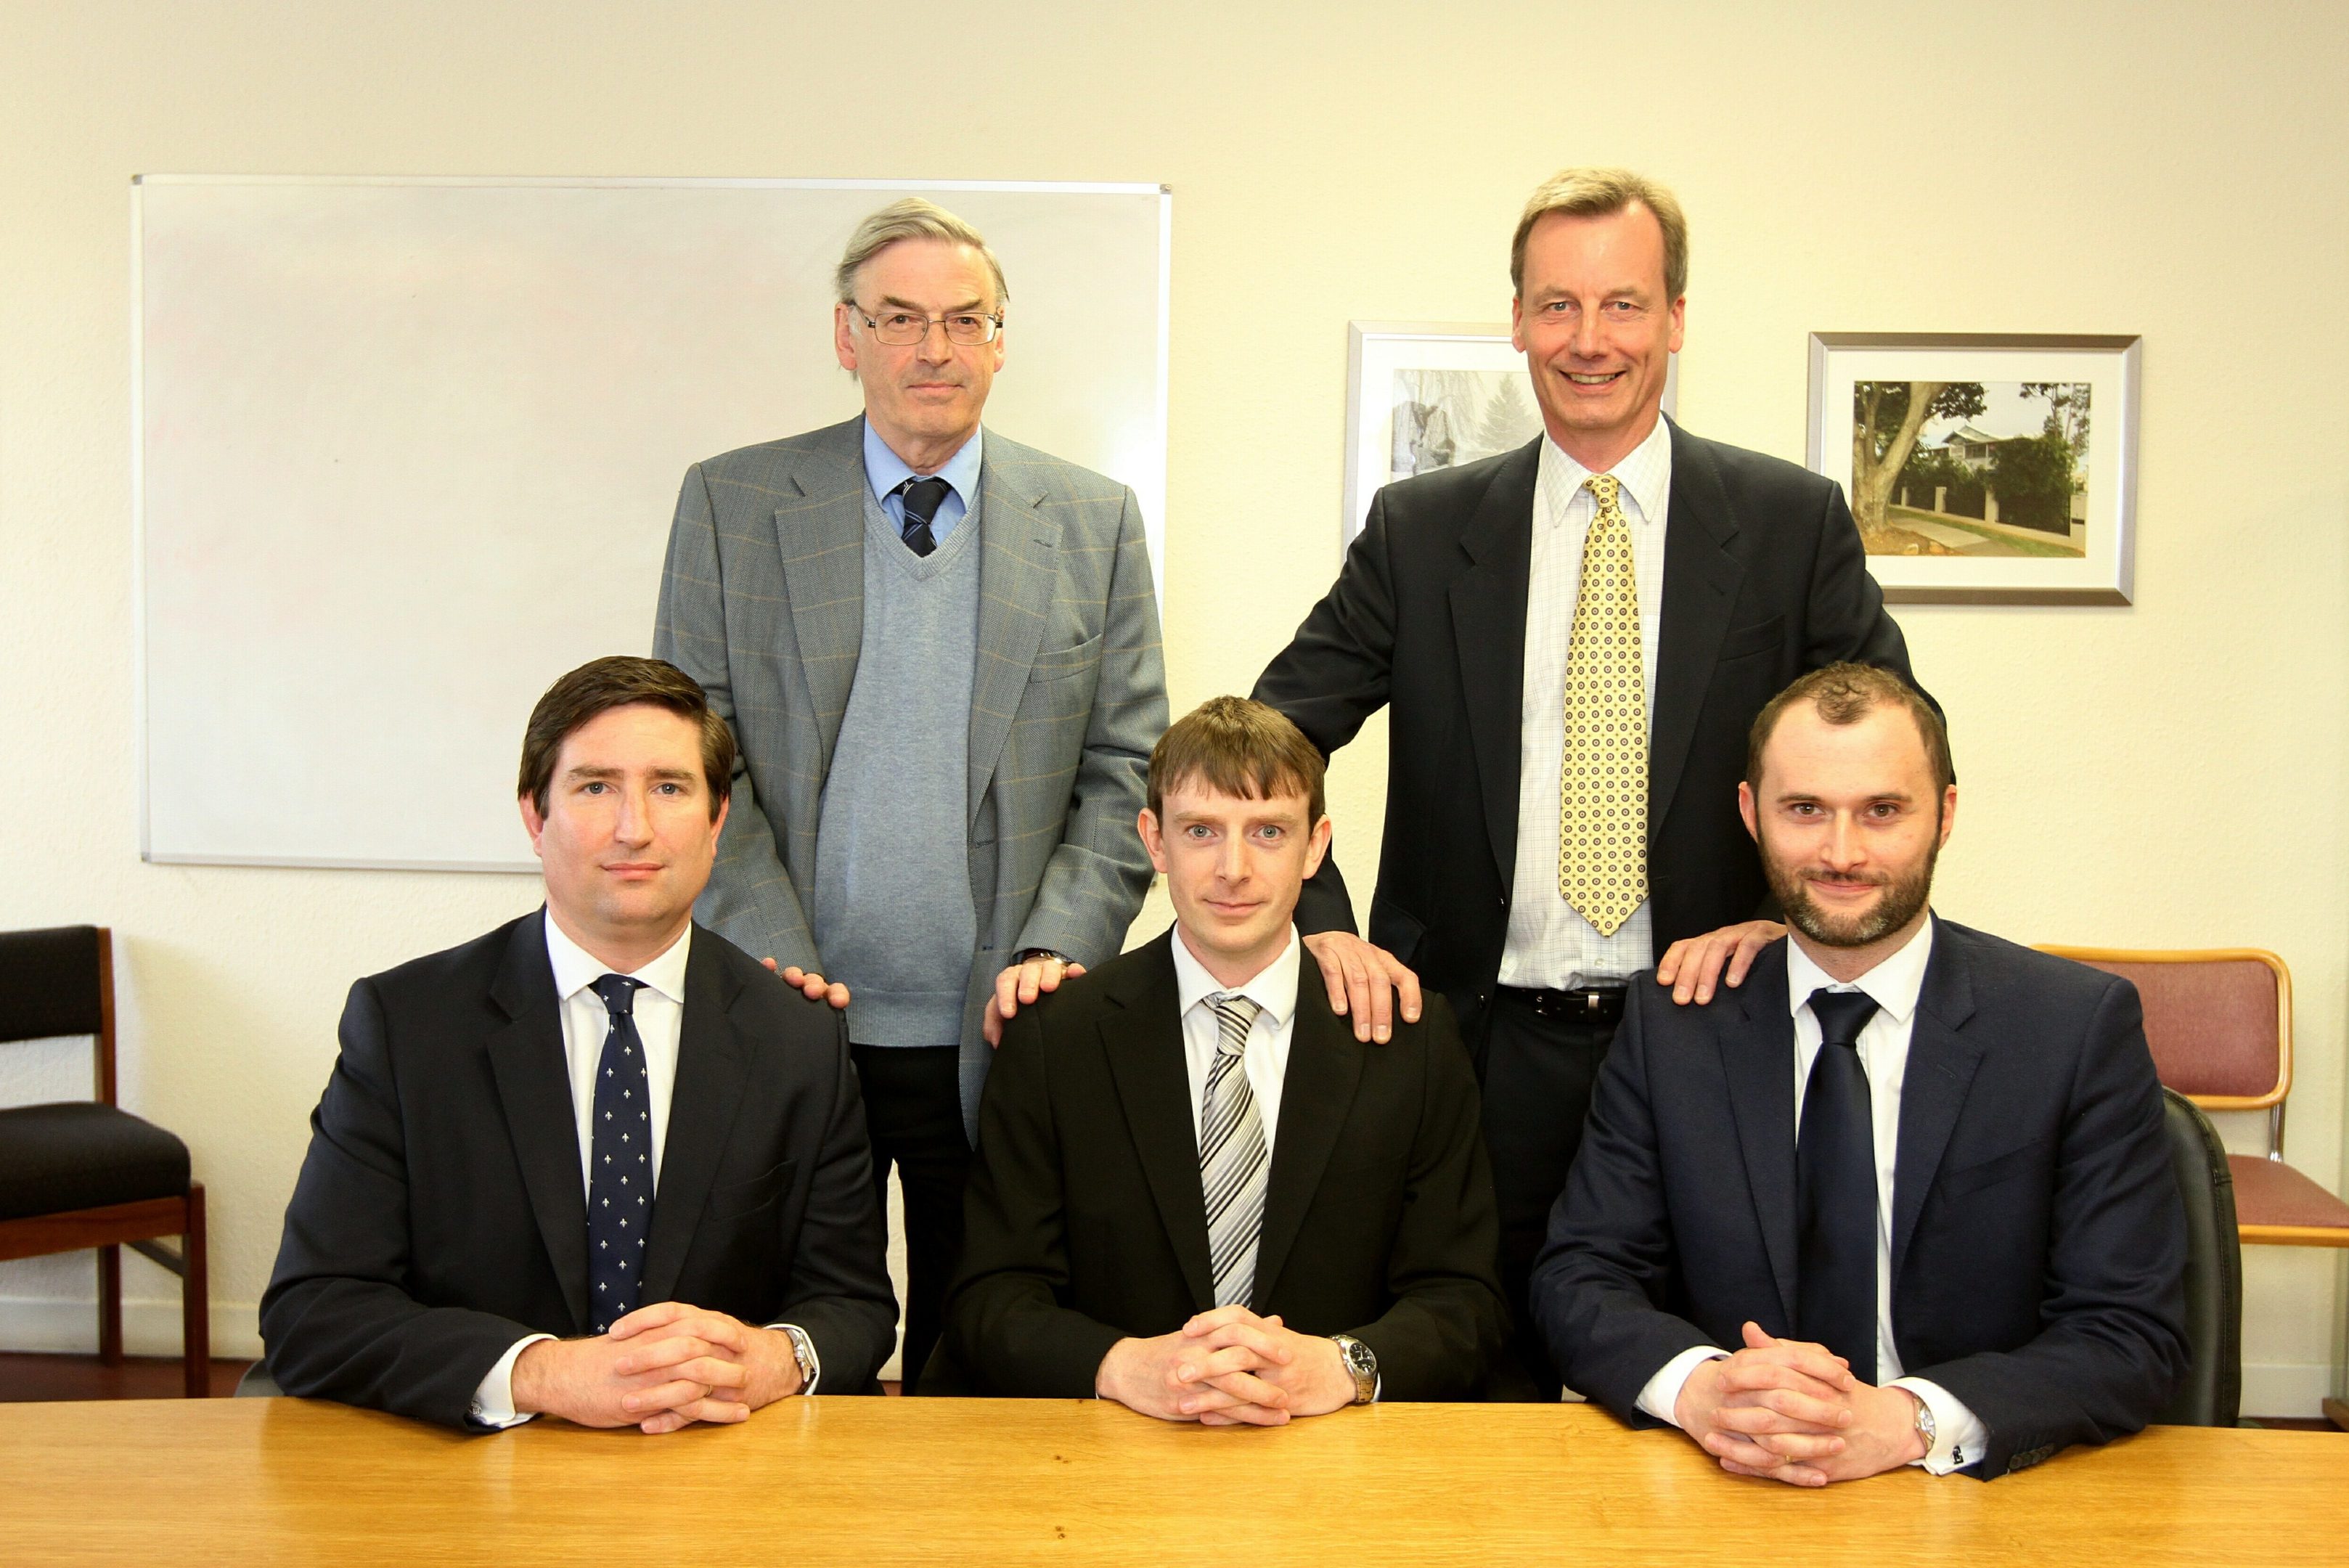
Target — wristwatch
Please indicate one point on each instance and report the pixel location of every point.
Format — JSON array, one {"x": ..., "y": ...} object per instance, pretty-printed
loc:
[
  {"x": 1924, "y": 1419},
  {"x": 803, "y": 1352},
  {"x": 1361, "y": 1363},
  {"x": 1024, "y": 954}
]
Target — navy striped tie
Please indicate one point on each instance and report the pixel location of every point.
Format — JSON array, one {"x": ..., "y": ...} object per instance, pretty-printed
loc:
[{"x": 923, "y": 497}]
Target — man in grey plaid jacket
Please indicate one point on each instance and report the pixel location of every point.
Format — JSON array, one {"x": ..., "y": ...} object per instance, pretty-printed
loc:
[{"x": 939, "y": 652}]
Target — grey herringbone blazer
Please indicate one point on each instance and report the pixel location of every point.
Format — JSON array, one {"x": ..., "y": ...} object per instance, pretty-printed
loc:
[{"x": 762, "y": 601}]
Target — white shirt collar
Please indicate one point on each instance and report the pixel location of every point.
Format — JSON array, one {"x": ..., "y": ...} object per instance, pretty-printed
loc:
[
  {"x": 576, "y": 969},
  {"x": 1893, "y": 984},
  {"x": 1646, "y": 472},
  {"x": 1272, "y": 988}
]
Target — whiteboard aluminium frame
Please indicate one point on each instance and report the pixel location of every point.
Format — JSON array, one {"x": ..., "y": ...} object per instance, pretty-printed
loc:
[{"x": 139, "y": 182}]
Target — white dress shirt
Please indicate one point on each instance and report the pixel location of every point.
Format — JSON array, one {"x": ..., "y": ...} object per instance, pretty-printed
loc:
[
  {"x": 1266, "y": 1058},
  {"x": 659, "y": 1011},
  {"x": 1960, "y": 1437},
  {"x": 1548, "y": 945}
]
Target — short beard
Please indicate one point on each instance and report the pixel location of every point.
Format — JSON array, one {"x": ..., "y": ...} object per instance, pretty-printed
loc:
[{"x": 1899, "y": 905}]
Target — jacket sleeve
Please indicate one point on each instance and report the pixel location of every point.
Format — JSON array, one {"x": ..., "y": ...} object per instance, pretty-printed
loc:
[
  {"x": 1093, "y": 884},
  {"x": 839, "y": 1291},
  {"x": 1610, "y": 1252},
  {"x": 1334, "y": 674},
  {"x": 1004, "y": 1322},
  {"x": 751, "y": 899},
  {"x": 2113, "y": 1346},
  {"x": 337, "y": 1320},
  {"x": 1443, "y": 1336}
]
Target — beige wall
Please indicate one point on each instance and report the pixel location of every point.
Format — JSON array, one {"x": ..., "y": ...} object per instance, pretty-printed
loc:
[{"x": 2165, "y": 775}]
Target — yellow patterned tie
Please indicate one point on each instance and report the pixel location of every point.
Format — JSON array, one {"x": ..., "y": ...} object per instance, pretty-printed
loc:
[{"x": 1602, "y": 790}]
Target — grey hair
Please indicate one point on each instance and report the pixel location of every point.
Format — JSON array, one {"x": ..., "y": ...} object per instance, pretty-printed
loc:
[{"x": 911, "y": 219}]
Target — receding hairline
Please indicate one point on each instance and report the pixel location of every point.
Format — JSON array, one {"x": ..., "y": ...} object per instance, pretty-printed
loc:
[{"x": 1810, "y": 704}]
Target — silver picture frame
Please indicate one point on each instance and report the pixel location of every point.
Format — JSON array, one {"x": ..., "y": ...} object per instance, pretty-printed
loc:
[{"x": 2013, "y": 483}]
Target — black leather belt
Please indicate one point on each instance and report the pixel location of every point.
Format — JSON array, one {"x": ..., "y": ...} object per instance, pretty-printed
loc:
[{"x": 1589, "y": 1004}]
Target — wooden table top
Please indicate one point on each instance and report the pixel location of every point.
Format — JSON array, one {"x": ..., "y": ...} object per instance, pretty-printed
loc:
[{"x": 258, "y": 1481}]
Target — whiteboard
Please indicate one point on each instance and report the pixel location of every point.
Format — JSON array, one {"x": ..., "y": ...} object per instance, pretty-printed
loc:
[{"x": 404, "y": 450}]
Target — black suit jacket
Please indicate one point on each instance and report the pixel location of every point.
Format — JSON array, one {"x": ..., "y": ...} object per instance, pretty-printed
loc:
[
  {"x": 1764, "y": 579},
  {"x": 440, "y": 1215},
  {"x": 1084, "y": 1223},
  {"x": 2038, "y": 1241}
]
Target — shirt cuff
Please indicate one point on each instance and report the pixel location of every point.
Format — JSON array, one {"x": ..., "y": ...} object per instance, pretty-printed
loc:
[
  {"x": 805, "y": 1345},
  {"x": 1958, "y": 1437},
  {"x": 1663, "y": 1390},
  {"x": 493, "y": 1400}
]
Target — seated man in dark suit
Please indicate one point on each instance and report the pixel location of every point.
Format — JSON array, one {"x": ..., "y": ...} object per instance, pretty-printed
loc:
[
  {"x": 1912, "y": 1176},
  {"x": 1196, "y": 1193},
  {"x": 596, "y": 1164}
]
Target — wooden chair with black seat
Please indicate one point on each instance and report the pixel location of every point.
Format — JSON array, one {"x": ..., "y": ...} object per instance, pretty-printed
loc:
[
  {"x": 2219, "y": 1024},
  {"x": 85, "y": 1173}
]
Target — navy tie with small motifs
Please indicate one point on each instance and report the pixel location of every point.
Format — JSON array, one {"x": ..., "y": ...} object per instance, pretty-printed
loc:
[{"x": 620, "y": 1162}]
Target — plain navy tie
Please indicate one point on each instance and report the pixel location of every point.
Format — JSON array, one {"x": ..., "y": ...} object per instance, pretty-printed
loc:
[{"x": 1834, "y": 1189}]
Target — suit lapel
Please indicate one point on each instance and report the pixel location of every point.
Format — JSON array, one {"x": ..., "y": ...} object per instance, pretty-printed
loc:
[
  {"x": 1488, "y": 626},
  {"x": 1700, "y": 582},
  {"x": 1019, "y": 546},
  {"x": 711, "y": 1062},
  {"x": 820, "y": 531},
  {"x": 1941, "y": 1063},
  {"x": 535, "y": 1092},
  {"x": 1758, "y": 1061},
  {"x": 1325, "y": 1065},
  {"x": 1144, "y": 1044}
]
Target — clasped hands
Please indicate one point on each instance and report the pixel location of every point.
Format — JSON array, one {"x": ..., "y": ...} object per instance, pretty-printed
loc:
[
  {"x": 1789, "y": 1410},
  {"x": 1227, "y": 1367},
  {"x": 661, "y": 1367}
]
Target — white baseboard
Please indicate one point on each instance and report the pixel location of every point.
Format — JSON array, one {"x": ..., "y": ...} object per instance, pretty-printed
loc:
[
  {"x": 148, "y": 1327},
  {"x": 2285, "y": 1390}
]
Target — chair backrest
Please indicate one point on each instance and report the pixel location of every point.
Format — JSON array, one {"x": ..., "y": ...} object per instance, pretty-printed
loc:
[
  {"x": 61, "y": 982},
  {"x": 2218, "y": 1021},
  {"x": 2212, "y": 1392}
]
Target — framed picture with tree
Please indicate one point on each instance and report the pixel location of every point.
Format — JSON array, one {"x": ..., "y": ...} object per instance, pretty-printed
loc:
[
  {"x": 1984, "y": 468},
  {"x": 1421, "y": 396}
]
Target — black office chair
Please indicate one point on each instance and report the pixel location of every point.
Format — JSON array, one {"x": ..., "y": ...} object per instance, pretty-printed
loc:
[
  {"x": 84, "y": 1173},
  {"x": 2212, "y": 1392}
]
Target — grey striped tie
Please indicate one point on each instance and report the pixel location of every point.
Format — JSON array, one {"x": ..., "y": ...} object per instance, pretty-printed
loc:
[{"x": 1232, "y": 1154}]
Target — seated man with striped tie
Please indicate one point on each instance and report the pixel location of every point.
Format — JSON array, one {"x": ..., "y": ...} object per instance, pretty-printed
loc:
[
  {"x": 597, "y": 1163},
  {"x": 1903, "y": 1197},
  {"x": 1196, "y": 1192}
]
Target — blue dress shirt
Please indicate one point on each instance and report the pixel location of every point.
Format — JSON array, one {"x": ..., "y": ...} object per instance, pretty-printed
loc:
[{"x": 884, "y": 471}]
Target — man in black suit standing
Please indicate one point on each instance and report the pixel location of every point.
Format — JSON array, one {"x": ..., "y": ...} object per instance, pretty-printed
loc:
[
  {"x": 597, "y": 1163},
  {"x": 1196, "y": 1193},
  {"x": 1571, "y": 639},
  {"x": 1915, "y": 1174}
]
